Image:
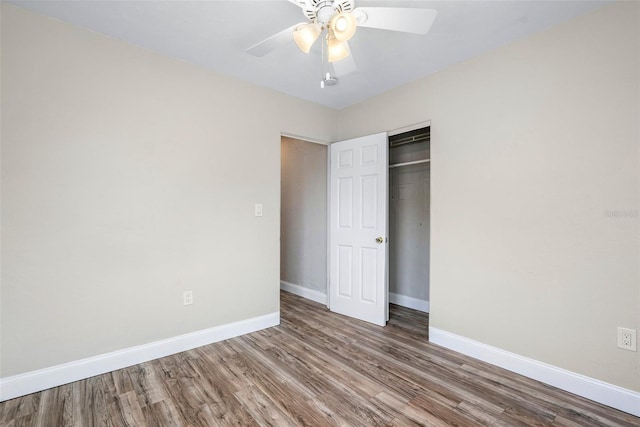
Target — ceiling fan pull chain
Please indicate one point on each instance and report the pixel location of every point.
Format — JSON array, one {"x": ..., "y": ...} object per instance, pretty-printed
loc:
[{"x": 322, "y": 64}]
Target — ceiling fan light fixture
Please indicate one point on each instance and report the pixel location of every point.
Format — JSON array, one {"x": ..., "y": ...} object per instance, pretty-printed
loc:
[
  {"x": 343, "y": 25},
  {"x": 336, "y": 49},
  {"x": 305, "y": 35}
]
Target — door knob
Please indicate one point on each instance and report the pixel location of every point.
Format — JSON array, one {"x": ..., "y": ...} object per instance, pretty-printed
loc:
[{"x": 379, "y": 239}]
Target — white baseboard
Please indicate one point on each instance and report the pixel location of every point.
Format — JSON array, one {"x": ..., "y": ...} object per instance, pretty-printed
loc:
[
  {"x": 303, "y": 292},
  {"x": 319, "y": 297},
  {"x": 591, "y": 388},
  {"x": 409, "y": 302},
  {"x": 42, "y": 379}
]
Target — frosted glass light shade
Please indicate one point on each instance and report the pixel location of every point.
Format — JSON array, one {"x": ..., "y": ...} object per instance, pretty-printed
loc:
[
  {"x": 343, "y": 26},
  {"x": 305, "y": 35},
  {"x": 336, "y": 49}
]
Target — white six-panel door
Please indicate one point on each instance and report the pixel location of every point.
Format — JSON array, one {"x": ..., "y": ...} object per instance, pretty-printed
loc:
[{"x": 358, "y": 228}]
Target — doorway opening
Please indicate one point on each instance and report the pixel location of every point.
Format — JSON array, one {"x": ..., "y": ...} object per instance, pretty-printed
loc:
[
  {"x": 303, "y": 218},
  {"x": 306, "y": 213},
  {"x": 409, "y": 218}
]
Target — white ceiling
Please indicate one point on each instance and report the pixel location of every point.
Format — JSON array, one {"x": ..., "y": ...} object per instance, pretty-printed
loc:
[{"x": 214, "y": 34}]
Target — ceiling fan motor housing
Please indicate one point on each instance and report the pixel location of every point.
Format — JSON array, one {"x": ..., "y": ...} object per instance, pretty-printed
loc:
[{"x": 322, "y": 11}]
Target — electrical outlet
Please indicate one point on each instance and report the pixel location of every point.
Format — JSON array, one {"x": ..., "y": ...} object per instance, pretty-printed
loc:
[
  {"x": 187, "y": 297},
  {"x": 627, "y": 339}
]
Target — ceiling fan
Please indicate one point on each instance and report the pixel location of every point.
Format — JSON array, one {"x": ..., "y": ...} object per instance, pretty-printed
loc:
[{"x": 337, "y": 21}]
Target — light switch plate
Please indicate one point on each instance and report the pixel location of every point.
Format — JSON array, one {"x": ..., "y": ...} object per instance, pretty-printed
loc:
[{"x": 258, "y": 209}]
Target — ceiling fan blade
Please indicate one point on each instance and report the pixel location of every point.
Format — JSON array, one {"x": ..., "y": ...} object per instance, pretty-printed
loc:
[
  {"x": 273, "y": 42},
  {"x": 345, "y": 66},
  {"x": 300, "y": 3},
  {"x": 408, "y": 20}
]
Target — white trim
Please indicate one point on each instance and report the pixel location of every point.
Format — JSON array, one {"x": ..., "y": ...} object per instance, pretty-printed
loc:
[
  {"x": 328, "y": 266},
  {"x": 42, "y": 379},
  {"x": 304, "y": 138},
  {"x": 409, "y": 128},
  {"x": 409, "y": 302},
  {"x": 303, "y": 292},
  {"x": 591, "y": 388}
]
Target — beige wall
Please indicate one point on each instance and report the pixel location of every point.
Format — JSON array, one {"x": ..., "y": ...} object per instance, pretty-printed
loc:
[
  {"x": 128, "y": 177},
  {"x": 303, "y": 228},
  {"x": 535, "y": 192}
]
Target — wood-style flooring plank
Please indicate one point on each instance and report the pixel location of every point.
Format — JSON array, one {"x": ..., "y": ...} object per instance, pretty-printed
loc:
[
  {"x": 316, "y": 369},
  {"x": 126, "y": 409},
  {"x": 19, "y": 408}
]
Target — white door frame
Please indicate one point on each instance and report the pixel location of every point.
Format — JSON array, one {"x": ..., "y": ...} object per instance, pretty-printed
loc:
[{"x": 426, "y": 123}]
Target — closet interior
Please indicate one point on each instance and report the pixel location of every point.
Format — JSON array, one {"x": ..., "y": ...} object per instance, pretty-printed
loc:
[{"x": 409, "y": 218}]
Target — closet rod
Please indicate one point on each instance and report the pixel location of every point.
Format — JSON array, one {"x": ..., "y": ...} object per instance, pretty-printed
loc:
[
  {"x": 416, "y": 162},
  {"x": 395, "y": 142}
]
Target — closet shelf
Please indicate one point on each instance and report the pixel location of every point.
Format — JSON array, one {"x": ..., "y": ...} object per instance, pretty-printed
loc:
[{"x": 415, "y": 162}]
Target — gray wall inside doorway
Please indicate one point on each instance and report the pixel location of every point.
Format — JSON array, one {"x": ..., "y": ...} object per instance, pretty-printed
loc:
[{"x": 303, "y": 215}]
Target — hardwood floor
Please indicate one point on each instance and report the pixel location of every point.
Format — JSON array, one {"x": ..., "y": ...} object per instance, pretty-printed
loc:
[{"x": 317, "y": 368}]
